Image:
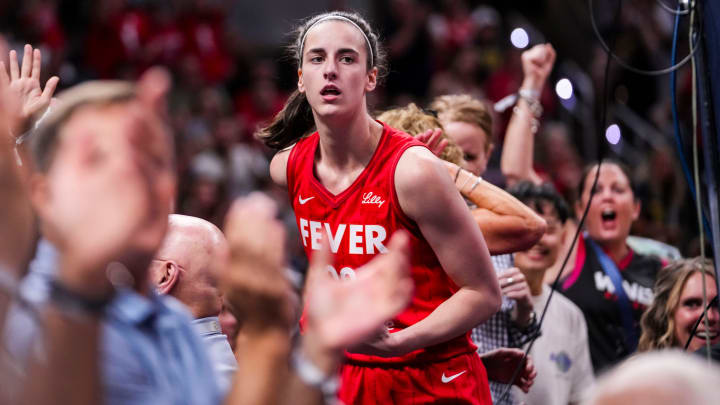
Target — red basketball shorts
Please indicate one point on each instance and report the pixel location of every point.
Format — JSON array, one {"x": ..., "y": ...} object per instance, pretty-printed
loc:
[{"x": 458, "y": 380}]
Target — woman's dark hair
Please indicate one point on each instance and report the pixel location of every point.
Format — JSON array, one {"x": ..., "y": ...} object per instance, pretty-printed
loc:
[
  {"x": 589, "y": 168},
  {"x": 295, "y": 120},
  {"x": 534, "y": 195}
]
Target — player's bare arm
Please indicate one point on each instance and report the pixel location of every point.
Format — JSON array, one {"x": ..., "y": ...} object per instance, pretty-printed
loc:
[
  {"x": 426, "y": 194},
  {"x": 507, "y": 224},
  {"x": 278, "y": 166}
]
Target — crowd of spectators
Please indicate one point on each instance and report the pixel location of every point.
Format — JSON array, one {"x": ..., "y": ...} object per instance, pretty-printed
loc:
[
  {"x": 221, "y": 87},
  {"x": 226, "y": 84}
]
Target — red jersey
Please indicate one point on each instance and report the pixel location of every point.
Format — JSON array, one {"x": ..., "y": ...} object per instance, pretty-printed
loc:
[{"x": 359, "y": 221}]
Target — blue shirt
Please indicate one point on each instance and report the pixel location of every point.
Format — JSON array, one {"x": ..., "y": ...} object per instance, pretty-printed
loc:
[
  {"x": 150, "y": 353},
  {"x": 22, "y": 331}
]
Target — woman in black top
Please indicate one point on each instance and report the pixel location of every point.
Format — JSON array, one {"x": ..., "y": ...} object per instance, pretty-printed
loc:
[{"x": 603, "y": 259}]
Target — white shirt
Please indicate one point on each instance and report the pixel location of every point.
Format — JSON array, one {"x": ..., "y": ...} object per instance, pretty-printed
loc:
[
  {"x": 218, "y": 348},
  {"x": 561, "y": 354}
]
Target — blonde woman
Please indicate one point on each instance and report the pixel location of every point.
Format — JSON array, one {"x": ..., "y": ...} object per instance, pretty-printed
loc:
[{"x": 677, "y": 306}]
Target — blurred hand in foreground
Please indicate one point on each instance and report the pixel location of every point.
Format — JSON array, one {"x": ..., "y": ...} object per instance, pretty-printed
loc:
[{"x": 342, "y": 313}]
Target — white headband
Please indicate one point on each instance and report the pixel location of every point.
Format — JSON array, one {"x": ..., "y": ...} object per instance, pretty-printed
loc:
[{"x": 336, "y": 17}]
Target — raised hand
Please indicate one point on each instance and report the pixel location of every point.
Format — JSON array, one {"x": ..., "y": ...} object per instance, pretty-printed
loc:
[
  {"x": 254, "y": 283},
  {"x": 342, "y": 314},
  {"x": 16, "y": 216},
  {"x": 514, "y": 286},
  {"x": 153, "y": 87},
  {"x": 501, "y": 364},
  {"x": 434, "y": 140},
  {"x": 23, "y": 83},
  {"x": 537, "y": 63}
]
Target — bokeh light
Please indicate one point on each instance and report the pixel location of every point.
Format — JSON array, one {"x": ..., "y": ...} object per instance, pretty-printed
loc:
[
  {"x": 519, "y": 38},
  {"x": 612, "y": 134},
  {"x": 564, "y": 89}
]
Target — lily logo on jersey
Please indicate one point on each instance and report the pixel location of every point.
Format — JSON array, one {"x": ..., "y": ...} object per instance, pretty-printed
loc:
[
  {"x": 446, "y": 380},
  {"x": 370, "y": 198},
  {"x": 302, "y": 201}
]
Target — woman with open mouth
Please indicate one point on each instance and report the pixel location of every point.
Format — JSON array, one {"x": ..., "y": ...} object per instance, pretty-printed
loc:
[
  {"x": 611, "y": 283},
  {"x": 679, "y": 304}
]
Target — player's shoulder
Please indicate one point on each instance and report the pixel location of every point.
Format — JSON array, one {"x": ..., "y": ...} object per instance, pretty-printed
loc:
[
  {"x": 422, "y": 183},
  {"x": 278, "y": 165},
  {"x": 417, "y": 165},
  {"x": 420, "y": 177}
]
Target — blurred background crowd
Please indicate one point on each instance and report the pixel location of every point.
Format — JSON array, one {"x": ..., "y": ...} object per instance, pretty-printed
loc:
[{"x": 231, "y": 74}]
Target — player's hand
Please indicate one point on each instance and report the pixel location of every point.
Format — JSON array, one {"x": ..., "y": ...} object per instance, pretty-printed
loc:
[
  {"x": 501, "y": 364},
  {"x": 537, "y": 63},
  {"x": 23, "y": 82},
  {"x": 383, "y": 345},
  {"x": 514, "y": 286},
  {"x": 343, "y": 313},
  {"x": 434, "y": 140},
  {"x": 254, "y": 283}
]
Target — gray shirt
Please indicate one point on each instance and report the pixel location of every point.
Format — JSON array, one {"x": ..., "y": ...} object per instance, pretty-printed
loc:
[{"x": 561, "y": 355}]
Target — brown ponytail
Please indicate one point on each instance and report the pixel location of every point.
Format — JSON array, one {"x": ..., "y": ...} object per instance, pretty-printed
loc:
[{"x": 292, "y": 123}]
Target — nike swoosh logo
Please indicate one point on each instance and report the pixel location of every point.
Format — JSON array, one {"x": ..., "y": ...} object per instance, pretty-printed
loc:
[
  {"x": 300, "y": 199},
  {"x": 446, "y": 380}
]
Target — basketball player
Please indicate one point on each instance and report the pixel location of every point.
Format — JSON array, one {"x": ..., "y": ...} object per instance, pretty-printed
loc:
[{"x": 356, "y": 181}]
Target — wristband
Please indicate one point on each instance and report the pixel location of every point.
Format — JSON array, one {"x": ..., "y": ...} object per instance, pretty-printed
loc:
[
  {"x": 529, "y": 94},
  {"x": 74, "y": 303},
  {"x": 478, "y": 179},
  {"x": 312, "y": 376},
  {"x": 534, "y": 123},
  {"x": 532, "y": 320},
  {"x": 532, "y": 97},
  {"x": 21, "y": 139},
  {"x": 457, "y": 174},
  {"x": 470, "y": 176}
]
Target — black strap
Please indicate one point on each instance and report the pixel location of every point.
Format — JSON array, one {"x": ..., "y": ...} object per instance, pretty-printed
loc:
[{"x": 69, "y": 300}]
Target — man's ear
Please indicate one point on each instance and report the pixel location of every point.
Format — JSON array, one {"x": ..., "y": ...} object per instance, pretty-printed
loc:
[
  {"x": 301, "y": 85},
  {"x": 372, "y": 79},
  {"x": 169, "y": 275}
]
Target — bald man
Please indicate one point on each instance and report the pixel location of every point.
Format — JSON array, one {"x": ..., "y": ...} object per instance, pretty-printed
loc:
[
  {"x": 663, "y": 377},
  {"x": 185, "y": 267}
]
